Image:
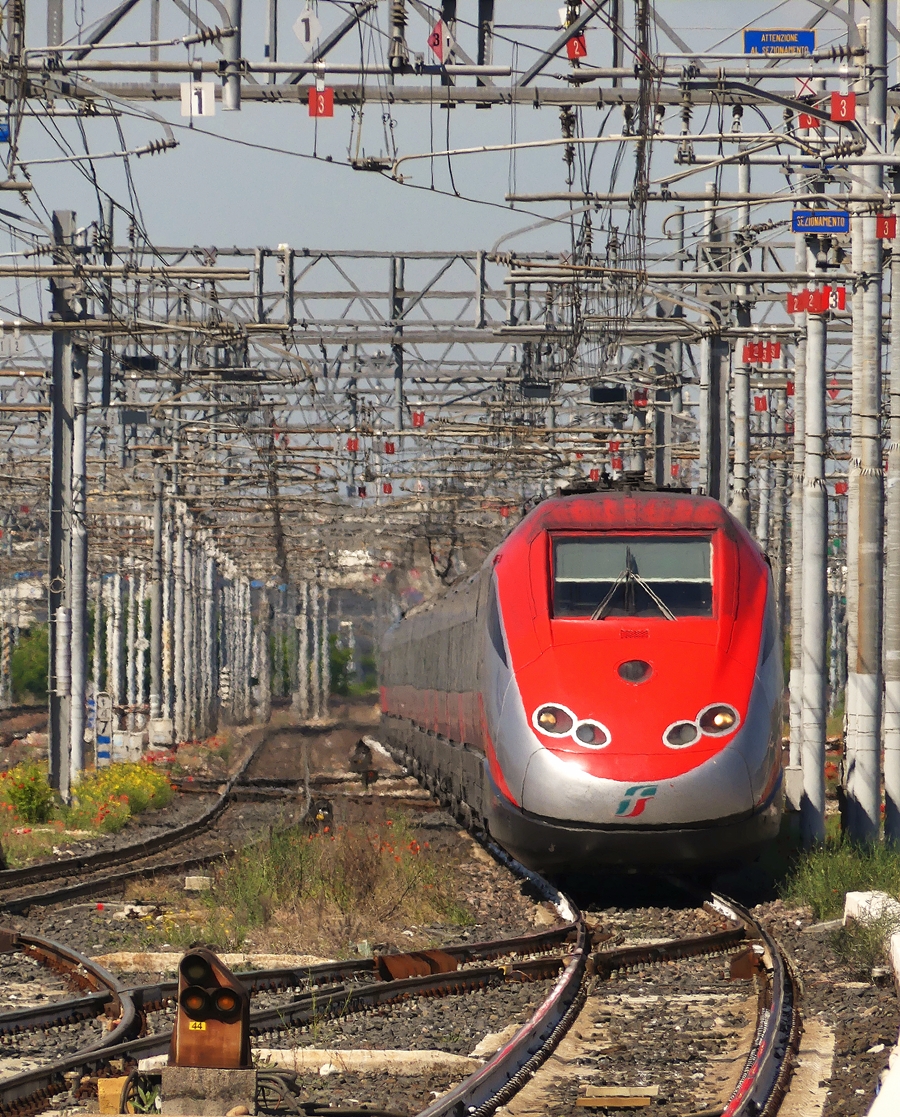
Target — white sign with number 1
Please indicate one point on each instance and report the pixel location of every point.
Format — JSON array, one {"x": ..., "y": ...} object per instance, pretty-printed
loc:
[
  {"x": 307, "y": 28},
  {"x": 198, "y": 98}
]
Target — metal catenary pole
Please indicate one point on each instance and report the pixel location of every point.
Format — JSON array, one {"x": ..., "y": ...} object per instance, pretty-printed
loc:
[
  {"x": 864, "y": 685},
  {"x": 316, "y": 674},
  {"x": 156, "y": 603},
  {"x": 740, "y": 497},
  {"x": 796, "y": 509},
  {"x": 892, "y": 575},
  {"x": 60, "y": 512},
  {"x": 815, "y": 598},
  {"x": 78, "y": 578},
  {"x": 178, "y": 640},
  {"x": 303, "y": 652}
]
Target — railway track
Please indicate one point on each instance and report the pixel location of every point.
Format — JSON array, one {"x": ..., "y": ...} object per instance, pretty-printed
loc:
[
  {"x": 48, "y": 882},
  {"x": 564, "y": 958},
  {"x": 339, "y": 990},
  {"x": 206, "y": 837}
]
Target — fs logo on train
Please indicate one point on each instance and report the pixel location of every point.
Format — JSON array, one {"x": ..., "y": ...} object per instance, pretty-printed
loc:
[{"x": 635, "y": 800}]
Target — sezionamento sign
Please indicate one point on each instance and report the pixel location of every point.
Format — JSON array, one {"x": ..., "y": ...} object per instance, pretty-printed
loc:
[
  {"x": 801, "y": 41},
  {"x": 820, "y": 221}
]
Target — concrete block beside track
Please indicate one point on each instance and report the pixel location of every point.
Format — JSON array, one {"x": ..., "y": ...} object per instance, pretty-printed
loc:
[
  {"x": 866, "y": 906},
  {"x": 162, "y": 962},
  {"x": 206, "y": 1091},
  {"x": 321, "y": 1060}
]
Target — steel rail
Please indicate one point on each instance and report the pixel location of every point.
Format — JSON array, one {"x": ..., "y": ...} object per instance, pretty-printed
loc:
[
  {"x": 759, "y": 1090},
  {"x": 152, "y": 997},
  {"x": 502, "y": 1074},
  {"x": 26, "y": 1093},
  {"x": 760, "y": 1086},
  {"x": 85, "y": 863},
  {"x": 766, "y": 1073},
  {"x": 764, "y": 1079},
  {"x": 83, "y": 971}
]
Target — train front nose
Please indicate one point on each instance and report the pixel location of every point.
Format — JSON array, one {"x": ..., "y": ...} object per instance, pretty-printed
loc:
[
  {"x": 604, "y": 718},
  {"x": 581, "y": 807},
  {"x": 560, "y": 787}
]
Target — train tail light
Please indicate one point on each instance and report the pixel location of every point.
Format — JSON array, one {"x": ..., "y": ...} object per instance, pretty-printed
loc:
[{"x": 212, "y": 1017}]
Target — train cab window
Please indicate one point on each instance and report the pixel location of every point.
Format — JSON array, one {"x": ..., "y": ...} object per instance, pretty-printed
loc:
[{"x": 632, "y": 576}]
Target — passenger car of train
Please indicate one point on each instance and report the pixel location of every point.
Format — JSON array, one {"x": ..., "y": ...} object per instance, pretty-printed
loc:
[{"x": 606, "y": 690}]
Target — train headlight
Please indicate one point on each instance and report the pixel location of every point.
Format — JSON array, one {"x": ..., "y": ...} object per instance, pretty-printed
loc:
[
  {"x": 555, "y": 720},
  {"x": 718, "y": 719},
  {"x": 680, "y": 734},
  {"x": 592, "y": 734}
]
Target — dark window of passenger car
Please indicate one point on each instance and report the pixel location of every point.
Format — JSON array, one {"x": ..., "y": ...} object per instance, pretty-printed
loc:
[{"x": 622, "y": 575}]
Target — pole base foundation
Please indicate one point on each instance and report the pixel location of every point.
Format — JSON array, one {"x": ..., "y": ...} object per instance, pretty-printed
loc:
[{"x": 206, "y": 1091}]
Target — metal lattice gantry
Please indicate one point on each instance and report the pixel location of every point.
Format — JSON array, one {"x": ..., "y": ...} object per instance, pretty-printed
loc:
[{"x": 659, "y": 310}]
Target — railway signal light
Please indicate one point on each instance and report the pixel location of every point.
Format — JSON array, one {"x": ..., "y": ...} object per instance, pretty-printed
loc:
[{"x": 212, "y": 1017}]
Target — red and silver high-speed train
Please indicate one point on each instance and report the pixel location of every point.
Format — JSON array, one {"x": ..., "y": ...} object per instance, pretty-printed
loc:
[{"x": 606, "y": 690}]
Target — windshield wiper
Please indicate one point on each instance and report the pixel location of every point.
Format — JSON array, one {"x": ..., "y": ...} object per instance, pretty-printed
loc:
[
  {"x": 663, "y": 607},
  {"x": 628, "y": 577},
  {"x": 597, "y": 614}
]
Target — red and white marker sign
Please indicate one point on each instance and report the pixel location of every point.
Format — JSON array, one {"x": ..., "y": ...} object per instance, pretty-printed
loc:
[
  {"x": 439, "y": 41},
  {"x": 818, "y": 301},
  {"x": 321, "y": 102},
  {"x": 843, "y": 107},
  {"x": 760, "y": 352},
  {"x": 885, "y": 226},
  {"x": 576, "y": 48}
]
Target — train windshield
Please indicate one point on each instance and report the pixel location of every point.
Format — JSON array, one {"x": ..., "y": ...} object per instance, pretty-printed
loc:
[{"x": 632, "y": 576}]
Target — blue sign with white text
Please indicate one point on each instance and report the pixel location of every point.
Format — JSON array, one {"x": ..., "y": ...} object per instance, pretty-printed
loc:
[
  {"x": 801, "y": 41},
  {"x": 820, "y": 221}
]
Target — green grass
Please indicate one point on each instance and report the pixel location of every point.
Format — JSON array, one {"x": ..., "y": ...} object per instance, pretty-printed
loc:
[
  {"x": 862, "y": 946},
  {"x": 338, "y": 886},
  {"x": 821, "y": 877}
]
